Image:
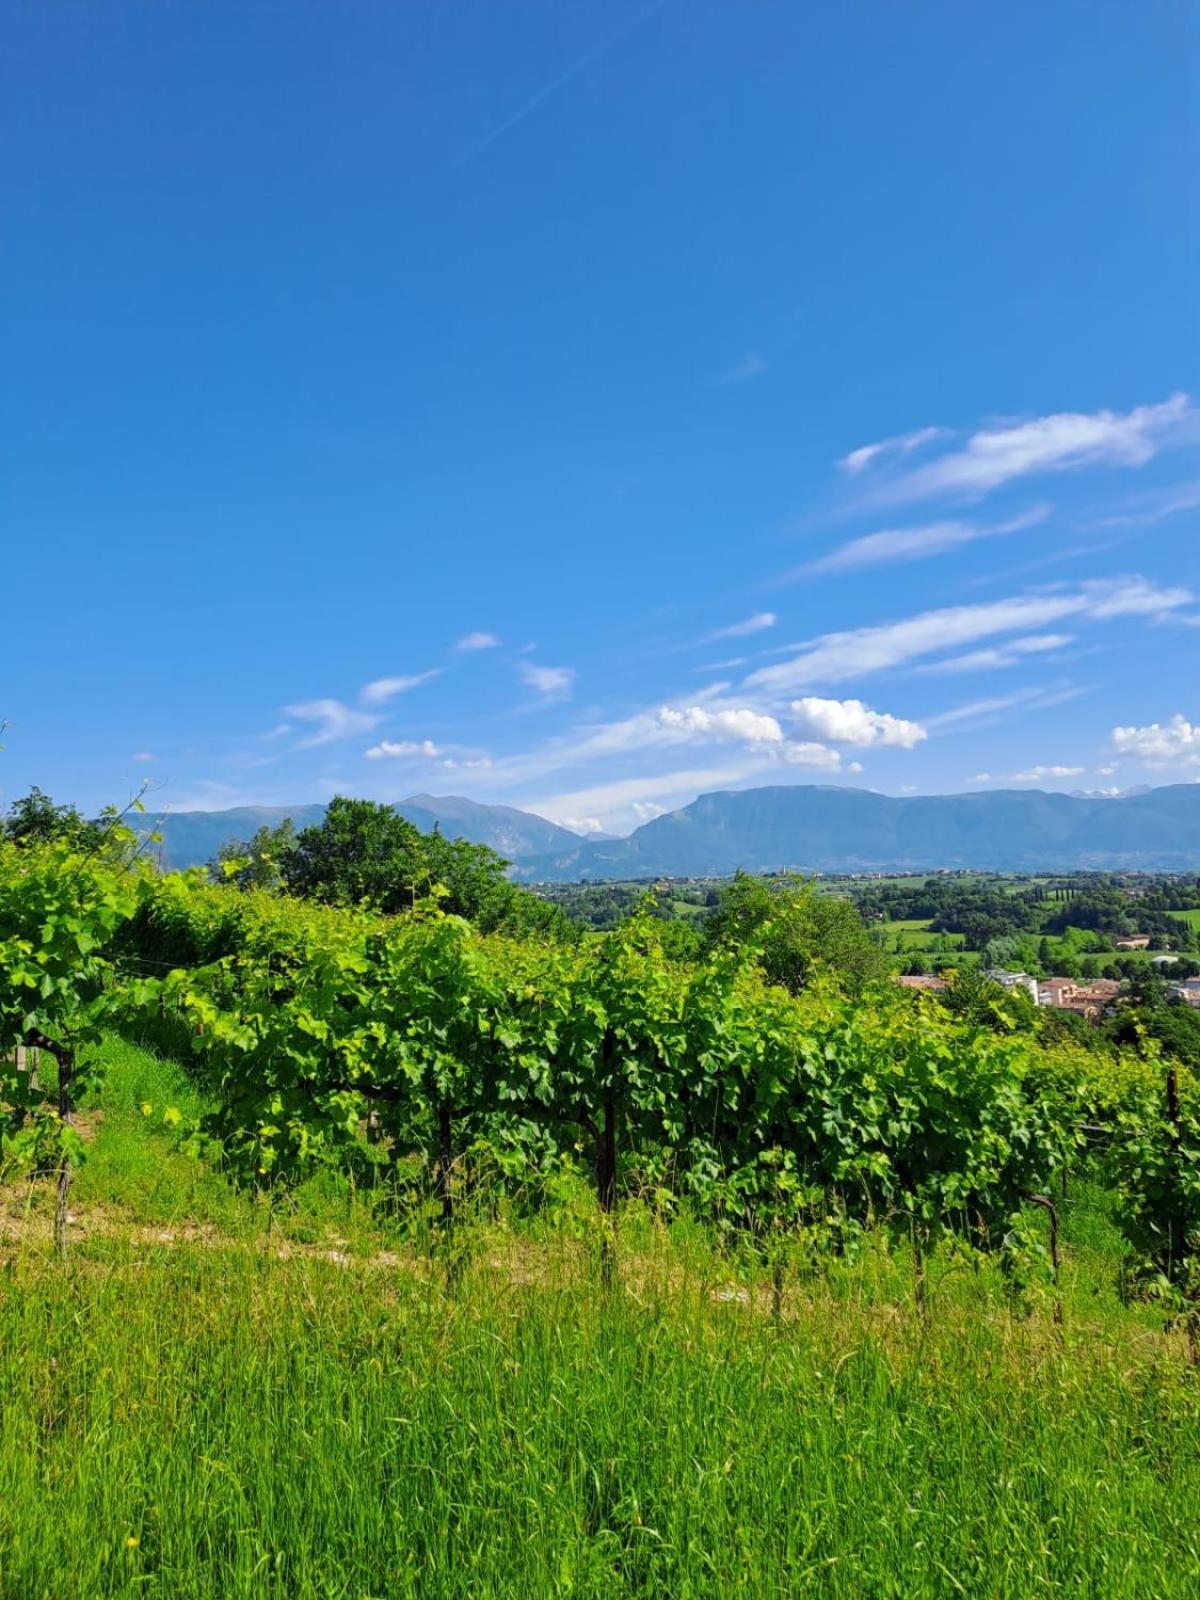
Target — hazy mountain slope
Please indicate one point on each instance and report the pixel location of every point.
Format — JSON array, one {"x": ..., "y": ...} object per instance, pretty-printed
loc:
[
  {"x": 513, "y": 833},
  {"x": 808, "y": 828},
  {"x": 193, "y": 837},
  {"x": 852, "y": 830}
]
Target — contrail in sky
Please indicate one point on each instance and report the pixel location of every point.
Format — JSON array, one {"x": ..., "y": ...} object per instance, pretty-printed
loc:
[{"x": 555, "y": 84}]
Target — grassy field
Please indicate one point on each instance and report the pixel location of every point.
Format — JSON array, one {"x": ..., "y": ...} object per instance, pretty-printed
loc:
[
  {"x": 195, "y": 1407},
  {"x": 1192, "y": 918},
  {"x": 913, "y": 933}
]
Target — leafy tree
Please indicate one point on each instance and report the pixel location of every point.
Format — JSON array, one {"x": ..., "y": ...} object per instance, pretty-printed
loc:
[
  {"x": 260, "y": 862},
  {"x": 36, "y": 819},
  {"x": 361, "y": 850},
  {"x": 797, "y": 931}
]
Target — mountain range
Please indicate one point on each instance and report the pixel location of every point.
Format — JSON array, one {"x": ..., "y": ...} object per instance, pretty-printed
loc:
[{"x": 802, "y": 827}]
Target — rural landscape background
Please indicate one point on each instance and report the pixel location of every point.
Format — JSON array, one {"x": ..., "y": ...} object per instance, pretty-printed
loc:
[{"x": 600, "y": 802}]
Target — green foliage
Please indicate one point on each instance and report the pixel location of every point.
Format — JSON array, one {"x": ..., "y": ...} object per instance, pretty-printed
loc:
[
  {"x": 60, "y": 906},
  {"x": 342, "y": 1038},
  {"x": 260, "y": 862},
  {"x": 361, "y": 851},
  {"x": 796, "y": 931}
]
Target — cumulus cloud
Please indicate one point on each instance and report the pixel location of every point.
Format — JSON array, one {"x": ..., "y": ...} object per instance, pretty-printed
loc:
[
  {"x": 647, "y": 810},
  {"x": 894, "y": 545},
  {"x": 331, "y": 720},
  {"x": 478, "y": 641},
  {"x": 1061, "y": 442},
  {"x": 385, "y": 689},
  {"x": 903, "y": 444},
  {"x": 857, "y": 652},
  {"x": 808, "y": 753},
  {"x": 1166, "y": 744},
  {"x": 394, "y": 749},
  {"x": 1040, "y": 774},
  {"x": 552, "y": 683},
  {"x": 852, "y": 722},
  {"x": 734, "y": 722}
]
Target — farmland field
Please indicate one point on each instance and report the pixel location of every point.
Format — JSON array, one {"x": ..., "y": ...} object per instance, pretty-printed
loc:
[
  {"x": 913, "y": 933},
  {"x": 198, "y": 1407}
]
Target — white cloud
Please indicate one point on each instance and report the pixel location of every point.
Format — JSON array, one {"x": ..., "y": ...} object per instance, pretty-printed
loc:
[
  {"x": 733, "y": 722},
  {"x": 981, "y": 713},
  {"x": 807, "y": 753},
  {"x": 852, "y": 722},
  {"x": 894, "y": 545},
  {"x": 478, "y": 641},
  {"x": 1157, "y": 507},
  {"x": 552, "y": 683},
  {"x": 1005, "y": 655},
  {"x": 902, "y": 445},
  {"x": 1173, "y": 743},
  {"x": 389, "y": 749},
  {"x": 1039, "y": 774},
  {"x": 332, "y": 720},
  {"x": 384, "y": 689},
  {"x": 857, "y": 652},
  {"x": 1060, "y": 442},
  {"x": 748, "y": 367},
  {"x": 469, "y": 764},
  {"x": 760, "y": 621},
  {"x": 982, "y": 777},
  {"x": 614, "y": 804},
  {"x": 581, "y": 825},
  {"x": 144, "y": 755},
  {"x": 647, "y": 810}
]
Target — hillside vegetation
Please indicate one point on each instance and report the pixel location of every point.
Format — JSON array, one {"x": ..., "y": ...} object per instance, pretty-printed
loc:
[{"x": 406, "y": 1257}]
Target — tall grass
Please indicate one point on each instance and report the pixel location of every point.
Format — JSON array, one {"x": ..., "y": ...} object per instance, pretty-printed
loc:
[{"x": 200, "y": 1416}]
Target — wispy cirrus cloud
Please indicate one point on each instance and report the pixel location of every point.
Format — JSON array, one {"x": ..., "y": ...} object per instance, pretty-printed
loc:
[
  {"x": 892, "y": 545},
  {"x": 996, "y": 656},
  {"x": 555, "y": 84},
  {"x": 1156, "y": 507},
  {"x": 750, "y": 366},
  {"x": 758, "y": 623},
  {"x": 1060, "y": 442},
  {"x": 478, "y": 641},
  {"x": 550, "y": 683},
  {"x": 385, "y": 689},
  {"x": 859, "y": 652},
  {"x": 329, "y": 720},
  {"x": 902, "y": 444}
]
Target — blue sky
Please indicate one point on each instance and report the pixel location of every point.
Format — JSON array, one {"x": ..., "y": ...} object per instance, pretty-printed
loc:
[{"x": 582, "y": 405}]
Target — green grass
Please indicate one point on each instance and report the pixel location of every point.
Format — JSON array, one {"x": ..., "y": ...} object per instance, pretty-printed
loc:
[
  {"x": 913, "y": 933},
  {"x": 1192, "y": 918},
  {"x": 266, "y": 1421}
]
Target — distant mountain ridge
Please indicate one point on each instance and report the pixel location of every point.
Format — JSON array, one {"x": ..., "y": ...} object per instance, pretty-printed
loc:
[
  {"x": 825, "y": 829},
  {"x": 807, "y": 828},
  {"x": 191, "y": 838}
]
